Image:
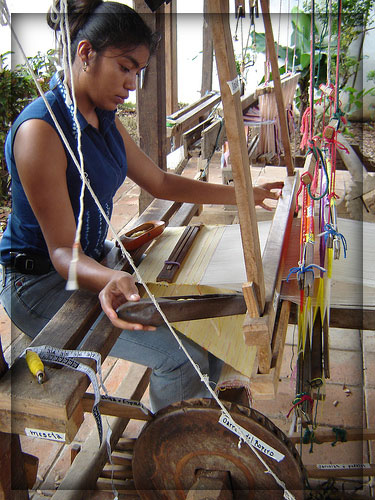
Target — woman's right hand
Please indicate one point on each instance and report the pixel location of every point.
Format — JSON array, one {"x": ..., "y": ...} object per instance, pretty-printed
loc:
[{"x": 120, "y": 289}]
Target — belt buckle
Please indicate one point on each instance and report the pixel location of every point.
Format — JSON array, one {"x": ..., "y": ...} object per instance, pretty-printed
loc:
[
  {"x": 23, "y": 263},
  {"x": 28, "y": 263}
]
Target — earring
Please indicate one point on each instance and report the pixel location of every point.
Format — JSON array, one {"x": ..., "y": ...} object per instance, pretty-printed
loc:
[{"x": 85, "y": 66}]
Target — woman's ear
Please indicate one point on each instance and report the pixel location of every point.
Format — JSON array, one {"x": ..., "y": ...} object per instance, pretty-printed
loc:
[{"x": 85, "y": 53}]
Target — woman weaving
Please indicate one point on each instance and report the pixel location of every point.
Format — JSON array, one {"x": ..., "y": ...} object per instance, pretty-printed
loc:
[{"x": 110, "y": 45}]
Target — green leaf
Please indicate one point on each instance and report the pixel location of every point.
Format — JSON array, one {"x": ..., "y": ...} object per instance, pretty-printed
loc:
[{"x": 305, "y": 60}]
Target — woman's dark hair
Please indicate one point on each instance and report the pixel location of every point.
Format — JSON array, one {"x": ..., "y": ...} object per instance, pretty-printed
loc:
[{"x": 103, "y": 24}]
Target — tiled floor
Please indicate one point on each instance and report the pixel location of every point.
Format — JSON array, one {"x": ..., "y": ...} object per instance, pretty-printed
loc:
[{"x": 352, "y": 359}]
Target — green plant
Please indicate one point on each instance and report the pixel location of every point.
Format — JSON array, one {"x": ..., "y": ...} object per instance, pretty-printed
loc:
[
  {"x": 17, "y": 89},
  {"x": 355, "y": 101}
]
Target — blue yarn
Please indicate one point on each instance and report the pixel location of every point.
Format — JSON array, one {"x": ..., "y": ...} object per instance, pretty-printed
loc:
[
  {"x": 329, "y": 230},
  {"x": 302, "y": 269}
]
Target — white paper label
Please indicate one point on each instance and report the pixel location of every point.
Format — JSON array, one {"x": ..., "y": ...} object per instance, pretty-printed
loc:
[
  {"x": 342, "y": 466},
  {"x": 41, "y": 434},
  {"x": 253, "y": 440},
  {"x": 234, "y": 85}
]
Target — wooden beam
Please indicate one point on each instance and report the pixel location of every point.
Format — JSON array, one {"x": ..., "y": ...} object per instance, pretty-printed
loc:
[
  {"x": 258, "y": 331},
  {"x": 114, "y": 409},
  {"x": 322, "y": 472},
  {"x": 230, "y": 95},
  {"x": 193, "y": 135},
  {"x": 189, "y": 116},
  {"x": 208, "y": 54},
  {"x": 270, "y": 43},
  {"x": 171, "y": 57},
  {"x": 151, "y": 98},
  {"x": 351, "y": 160},
  {"x": 328, "y": 436},
  {"x": 13, "y": 479},
  {"x": 351, "y": 319}
]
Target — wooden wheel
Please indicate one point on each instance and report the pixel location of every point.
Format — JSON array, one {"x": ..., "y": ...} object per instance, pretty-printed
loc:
[{"x": 186, "y": 439}]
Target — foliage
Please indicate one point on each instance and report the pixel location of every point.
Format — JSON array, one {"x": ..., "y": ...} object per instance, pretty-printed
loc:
[
  {"x": 356, "y": 99},
  {"x": 356, "y": 18},
  {"x": 17, "y": 89},
  {"x": 301, "y": 23}
]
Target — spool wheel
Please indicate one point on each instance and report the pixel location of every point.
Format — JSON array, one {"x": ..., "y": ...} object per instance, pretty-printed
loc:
[{"x": 186, "y": 438}]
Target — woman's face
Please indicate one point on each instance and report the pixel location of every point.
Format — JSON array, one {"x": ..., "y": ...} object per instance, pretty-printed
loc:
[{"x": 113, "y": 74}]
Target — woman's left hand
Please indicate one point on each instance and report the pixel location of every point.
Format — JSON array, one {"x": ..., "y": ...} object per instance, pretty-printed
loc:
[{"x": 263, "y": 192}]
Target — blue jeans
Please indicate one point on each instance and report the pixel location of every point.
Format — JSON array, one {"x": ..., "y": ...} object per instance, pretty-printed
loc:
[{"x": 31, "y": 301}]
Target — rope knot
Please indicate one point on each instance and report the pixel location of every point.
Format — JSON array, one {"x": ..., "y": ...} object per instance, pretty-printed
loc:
[
  {"x": 302, "y": 269},
  {"x": 329, "y": 230},
  {"x": 299, "y": 400},
  {"x": 340, "y": 435}
]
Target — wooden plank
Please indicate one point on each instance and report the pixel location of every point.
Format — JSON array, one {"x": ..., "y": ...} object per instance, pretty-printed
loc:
[
  {"x": 258, "y": 331},
  {"x": 86, "y": 468},
  {"x": 151, "y": 118},
  {"x": 323, "y": 473},
  {"x": 212, "y": 136},
  {"x": 270, "y": 43},
  {"x": 184, "y": 215},
  {"x": 118, "y": 471},
  {"x": 328, "y": 436},
  {"x": 190, "y": 137},
  {"x": 208, "y": 54},
  {"x": 278, "y": 340},
  {"x": 193, "y": 116},
  {"x": 114, "y": 409},
  {"x": 278, "y": 239},
  {"x": 270, "y": 87},
  {"x": 178, "y": 254},
  {"x": 351, "y": 319},
  {"x": 124, "y": 486},
  {"x": 249, "y": 294},
  {"x": 230, "y": 93},
  {"x": 171, "y": 86},
  {"x": 351, "y": 160},
  {"x": 264, "y": 385},
  {"x": 190, "y": 107},
  {"x": 13, "y": 481},
  {"x": 248, "y": 100}
]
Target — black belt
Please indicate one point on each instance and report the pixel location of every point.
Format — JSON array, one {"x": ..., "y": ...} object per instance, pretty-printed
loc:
[{"x": 29, "y": 263}]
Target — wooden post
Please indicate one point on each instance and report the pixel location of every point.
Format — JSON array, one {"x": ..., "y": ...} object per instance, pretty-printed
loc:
[
  {"x": 171, "y": 57},
  {"x": 13, "y": 482},
  {"x": 151, "y": 99},
  {"x": 270, "y": 44},
  {"x": 208, "y": 54},
  {"x": 230, "y": 95}
]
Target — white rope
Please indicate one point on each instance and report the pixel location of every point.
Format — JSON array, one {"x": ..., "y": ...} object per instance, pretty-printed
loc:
[
  {"x": 72, "y": 282},
  {"x": 204, "y": 378}
]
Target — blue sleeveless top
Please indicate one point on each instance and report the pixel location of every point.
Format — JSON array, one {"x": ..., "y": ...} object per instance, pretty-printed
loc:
[{"x": 105, "y": 166}]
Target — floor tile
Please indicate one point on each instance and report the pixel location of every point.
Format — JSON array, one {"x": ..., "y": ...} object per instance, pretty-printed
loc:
[
  {"x": 349, "y": 340},
  {"x": 346, "y": 367},
  {"x": 341, "y": 408},
  {"x": 368, "y": 340},
  {"x": 369, "y": 369}
]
